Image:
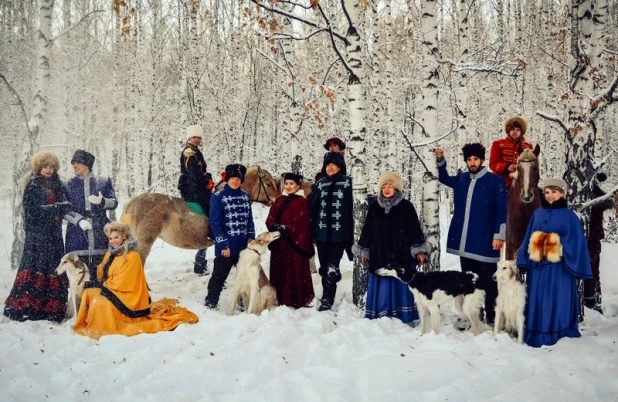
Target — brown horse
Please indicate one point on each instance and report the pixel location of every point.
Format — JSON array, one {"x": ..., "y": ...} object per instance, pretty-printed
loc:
[
  {"x": 522, "y": 200},
  {"x": 153, "y": 215}
]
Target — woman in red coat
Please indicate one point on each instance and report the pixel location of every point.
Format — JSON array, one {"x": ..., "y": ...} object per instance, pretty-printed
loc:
[{"x": 290, "y": 274}]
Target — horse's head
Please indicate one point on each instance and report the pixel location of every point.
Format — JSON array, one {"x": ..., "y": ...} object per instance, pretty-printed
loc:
[
  {"x": 527, "y": 178},
  {"x": 260, "y": 185}
]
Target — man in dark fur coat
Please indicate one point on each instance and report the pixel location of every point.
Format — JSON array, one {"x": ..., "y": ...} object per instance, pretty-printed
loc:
[
  {"x": 478, "y": 227},
  {"x": 333, "y": 145},
  {"x": 596, "y": 233},
  {"x": 504, "y": 153},
  {"x": 195, "y": 184},
  {"x": 333, "y": 223}
]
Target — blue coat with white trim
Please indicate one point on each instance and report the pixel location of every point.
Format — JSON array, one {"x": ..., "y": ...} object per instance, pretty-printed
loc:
[
  {"x": 480, "y": 213},
  {"x": 231, "y": 220},
  {"x": 77, "y": 190}
]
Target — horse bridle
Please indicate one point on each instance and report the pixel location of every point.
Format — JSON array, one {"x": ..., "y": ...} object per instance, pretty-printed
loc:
[{"x": 260, "y": 175}]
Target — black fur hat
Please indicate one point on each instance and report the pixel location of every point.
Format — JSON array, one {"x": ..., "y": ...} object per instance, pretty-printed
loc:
[
  {"x": 298, "y": 179},
  {"x": 334, "y": 157},
  {"x": 474, "y": 149},
  {"x": 83, "y": 157},
  {"x": 235, "y": 170}
]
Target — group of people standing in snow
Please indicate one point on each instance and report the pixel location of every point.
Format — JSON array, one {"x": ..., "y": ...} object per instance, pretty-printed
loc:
[{"x": 391, "y": 236}]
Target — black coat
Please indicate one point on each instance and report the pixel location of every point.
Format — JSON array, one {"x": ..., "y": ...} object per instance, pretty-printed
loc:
[
  {"x": 389, "y": 236},
  {"x": 194, "y": 178}
]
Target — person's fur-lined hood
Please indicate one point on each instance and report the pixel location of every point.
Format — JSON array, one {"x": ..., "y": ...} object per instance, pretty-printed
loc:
[{"x": 516, "y": 121}]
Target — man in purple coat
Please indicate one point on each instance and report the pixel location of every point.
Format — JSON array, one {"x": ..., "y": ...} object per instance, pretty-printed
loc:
[{"x": 91, "y": 197}]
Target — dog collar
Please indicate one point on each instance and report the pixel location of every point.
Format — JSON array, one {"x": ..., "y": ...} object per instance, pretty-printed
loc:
[
  {"x": 82, "y": 278},
  {"x": 255, "y": 251}
]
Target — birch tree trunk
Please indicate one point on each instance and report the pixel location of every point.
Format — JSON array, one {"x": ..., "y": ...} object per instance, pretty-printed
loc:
[
  {"x": 36, "y": 124},
  {"x": 429, "y": 119},
  {"x": 357, "y": 150}
]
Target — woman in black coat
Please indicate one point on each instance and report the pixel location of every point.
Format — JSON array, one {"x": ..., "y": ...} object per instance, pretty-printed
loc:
[
  {"x": 38, "y": 293},
  {"x": 392, "y": 235}
]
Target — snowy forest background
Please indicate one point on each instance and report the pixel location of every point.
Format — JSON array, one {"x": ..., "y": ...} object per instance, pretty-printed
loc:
[{"x": 270, "y": 80}]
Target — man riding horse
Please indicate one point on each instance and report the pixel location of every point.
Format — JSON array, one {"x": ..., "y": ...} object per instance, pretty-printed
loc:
[{"x": 504, "y": 153}]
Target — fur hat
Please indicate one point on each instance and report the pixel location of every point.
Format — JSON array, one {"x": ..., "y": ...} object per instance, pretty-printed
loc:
[
  {"x": 298, "y": 179},
  {"x": 474, "y": 149},
  {"x": 391, "y": 178},
  {"x": 516, "y": 121},
  {"x": 333, "y": 157},
  {"x": 44, "y": 159},
  {"x": 194, "y": 131},
  {"x": 334, "y": 140},
  {"x": 83, "y": 157},
  {"x": 235, "y": 170},
  {"x": 558, "y": 183}
]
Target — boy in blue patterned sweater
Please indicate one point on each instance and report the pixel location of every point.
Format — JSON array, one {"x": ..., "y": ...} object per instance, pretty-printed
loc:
[{"x": 231, "y": 222}]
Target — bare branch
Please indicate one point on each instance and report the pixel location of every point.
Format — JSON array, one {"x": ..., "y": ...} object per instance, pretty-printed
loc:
[
  {"x": 553, "y": 118},
  {"x": 598, "y": 200},
  {"x": 69, "y": 29},
  {"x": 20, "y": 102},
  {"x": 603, "y": 100},
  {"x": 272, "y": 61},
  {"x": 609, "y": 51},
  {"x": 428, "y": 141}
]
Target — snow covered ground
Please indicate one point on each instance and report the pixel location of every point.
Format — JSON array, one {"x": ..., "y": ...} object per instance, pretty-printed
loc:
[{"x": 298, "y": 355}]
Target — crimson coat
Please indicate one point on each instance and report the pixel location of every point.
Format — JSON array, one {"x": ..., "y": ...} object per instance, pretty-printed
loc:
[
  {"x": 290, "y": 274},
  {"x": 503, "y": 154}
]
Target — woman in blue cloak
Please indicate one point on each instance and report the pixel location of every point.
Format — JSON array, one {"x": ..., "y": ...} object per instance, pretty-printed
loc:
[{"x": 555, "y": 256}]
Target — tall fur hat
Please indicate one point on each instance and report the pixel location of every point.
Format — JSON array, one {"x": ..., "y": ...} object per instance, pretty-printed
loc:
[
  {"x": 298, "y": 179},
  {"x": 474, "y": 149},
  {"x": 391, "y": 178},
  {"x": 235, "y": 170},
  {"x": 194, "y": 131},
  {"x": 558, "y": 183},
  {"x": 334, "y": 157},
  {"x": 83, "y": 157},
  {"x": 334, "y": 140},
  {"x": 516, "y": 121},
  {"x": 44, "y": 159}
]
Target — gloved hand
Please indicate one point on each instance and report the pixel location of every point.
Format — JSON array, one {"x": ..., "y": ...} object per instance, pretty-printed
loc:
[
  {"x": 84, "y": 224},
  {"x": 95, "y": 199},
  {"x": 348, "y": 251},
  {"x": 277, "y": 227},
  {"x": 211, "y": 183}
]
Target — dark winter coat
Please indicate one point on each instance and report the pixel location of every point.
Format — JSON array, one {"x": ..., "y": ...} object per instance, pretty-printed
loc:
[
  {"x": 290, "y": 274},
  {"x": 194, "y": 179},
  {"x": 38, "y": 293},
  {"x": 231, "y": 220},
  {"x": 394, "y": 237},
  {"x": 77, "y": 190},
  {"x": 332, "y": 210},
  {"x": 480, "y": 213}
]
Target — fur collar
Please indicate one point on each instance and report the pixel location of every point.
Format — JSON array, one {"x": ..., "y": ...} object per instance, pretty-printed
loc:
[
  {"x": 299, "y": 193},
  {"x": 388, "y": 203},
  {"x": 131, "y": 243},
  {"x": 561, "y": 203}
]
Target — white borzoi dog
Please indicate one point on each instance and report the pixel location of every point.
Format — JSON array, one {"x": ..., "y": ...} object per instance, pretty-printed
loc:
[
  {"x": 431, "y": 289},
  {"x": 511, "y": 300},
  {"x": 78, "y": 275},
  {"x": 251, "y": 284}
]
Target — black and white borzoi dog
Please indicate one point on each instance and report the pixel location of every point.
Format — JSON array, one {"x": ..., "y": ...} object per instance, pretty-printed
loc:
[
  {"x": 431, "y": 289},
  {"x": 251, "y": 283},
  {"x": 78, "y": 275},
  {"x": 511, "y": 300}
]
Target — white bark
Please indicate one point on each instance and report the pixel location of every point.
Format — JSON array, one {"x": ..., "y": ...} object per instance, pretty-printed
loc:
[{"x": 429, "y": 119}]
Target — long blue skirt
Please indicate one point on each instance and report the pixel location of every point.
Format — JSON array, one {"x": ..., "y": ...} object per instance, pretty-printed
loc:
[
  {"x": 552, "y": 307},
  {"x": 389, "y": 297}
]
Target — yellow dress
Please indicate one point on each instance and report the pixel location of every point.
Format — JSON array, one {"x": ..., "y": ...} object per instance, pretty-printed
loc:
[{"x": 122, "y": 306}]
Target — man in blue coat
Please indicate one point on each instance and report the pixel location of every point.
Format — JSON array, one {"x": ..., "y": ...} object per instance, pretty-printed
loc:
[
  {"x": 231, "y": 223},
  {"x": 478, "y": 226},
  {"x": 91, "y": 197}
]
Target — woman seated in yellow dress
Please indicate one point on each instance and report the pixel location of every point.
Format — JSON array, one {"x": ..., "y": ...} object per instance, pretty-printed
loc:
[{"x": 117, "y": 301}]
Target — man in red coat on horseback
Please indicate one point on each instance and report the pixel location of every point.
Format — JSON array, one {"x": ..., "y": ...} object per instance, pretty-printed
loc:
[{"x": 504, "y": 153}]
